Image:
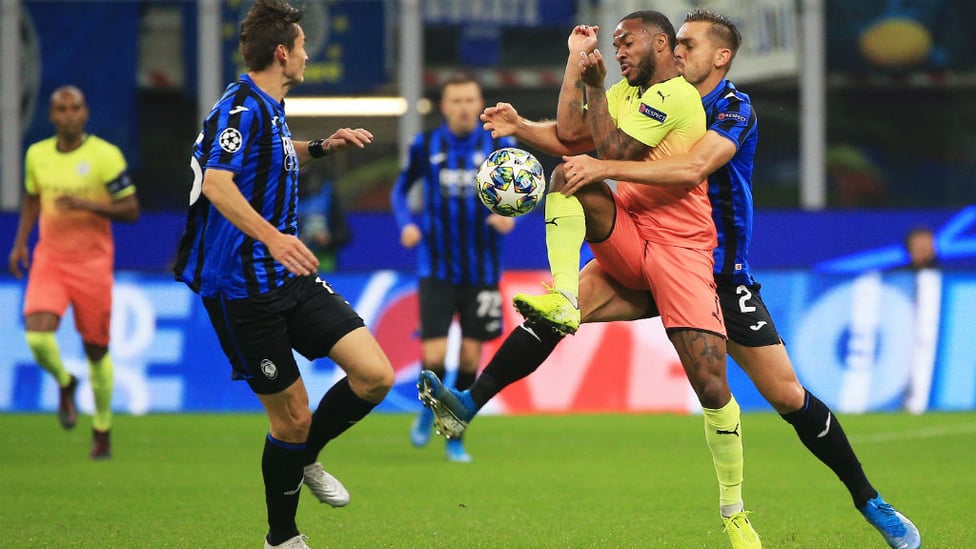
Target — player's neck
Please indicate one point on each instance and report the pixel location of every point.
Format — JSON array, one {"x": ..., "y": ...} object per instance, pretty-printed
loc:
[
  {"x": 709, "y": 84},
  {"x": 68, "y": 143},
  {"x": 271, "y": 82},
  {"x": 659, "y": 76}
]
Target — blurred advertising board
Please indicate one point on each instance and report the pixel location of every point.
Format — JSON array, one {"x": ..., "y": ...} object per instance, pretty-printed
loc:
[{"x": 867, "y": 342}]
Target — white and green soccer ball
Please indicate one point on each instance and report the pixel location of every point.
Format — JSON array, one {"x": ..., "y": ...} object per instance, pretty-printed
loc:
[{"x": 511, "y": 182}]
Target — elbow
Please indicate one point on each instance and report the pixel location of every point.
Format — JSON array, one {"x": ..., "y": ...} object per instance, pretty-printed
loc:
[{"x": 571, "y": 135}]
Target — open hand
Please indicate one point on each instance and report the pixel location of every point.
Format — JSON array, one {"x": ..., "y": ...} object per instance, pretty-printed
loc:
[{"x": 501, "y": 120}]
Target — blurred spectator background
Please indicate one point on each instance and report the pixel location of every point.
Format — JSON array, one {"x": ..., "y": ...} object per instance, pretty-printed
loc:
[{"x": 899, "y": 80}]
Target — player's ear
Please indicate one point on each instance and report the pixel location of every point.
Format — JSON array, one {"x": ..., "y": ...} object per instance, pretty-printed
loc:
[
  {"x": 723, "y": 57},
  {"x": 661, "y": 42}
]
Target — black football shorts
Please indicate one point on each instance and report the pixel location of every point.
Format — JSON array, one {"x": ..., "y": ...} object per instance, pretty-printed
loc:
[
  {"x": 479, "y": 309},
  {"x": 747, "y": 320},
  {"x": 258, "y": 333}
]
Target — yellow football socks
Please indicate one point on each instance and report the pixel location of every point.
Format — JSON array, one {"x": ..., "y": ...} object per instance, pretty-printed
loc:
[
  {"x": 48, "y": 355},
  {"x": 565, "y": 231},
  {"x": 100, "y": 375},
  {"x": 723, "y": 433}
]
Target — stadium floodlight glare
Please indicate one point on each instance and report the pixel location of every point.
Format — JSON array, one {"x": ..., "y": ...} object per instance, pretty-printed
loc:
[{"x": 345, "y": 106}]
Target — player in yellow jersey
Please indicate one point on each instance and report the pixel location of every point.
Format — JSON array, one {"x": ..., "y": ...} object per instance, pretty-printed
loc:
[
  {"x": 76, "y": 184},
  {"x": 653, "y": 245}
]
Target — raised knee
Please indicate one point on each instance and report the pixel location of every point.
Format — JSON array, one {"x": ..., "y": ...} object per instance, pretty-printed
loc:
[{"x": 557, "y": 179}]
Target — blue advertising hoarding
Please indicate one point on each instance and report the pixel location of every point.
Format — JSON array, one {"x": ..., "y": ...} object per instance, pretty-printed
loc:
[{"x": 875, "y": 341}]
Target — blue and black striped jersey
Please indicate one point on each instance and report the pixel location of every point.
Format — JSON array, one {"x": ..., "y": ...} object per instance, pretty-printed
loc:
[
  {"x": 729, "y": 113},
  {"x": 245, "y": 134},
  {"x": 458, "y": 245}
]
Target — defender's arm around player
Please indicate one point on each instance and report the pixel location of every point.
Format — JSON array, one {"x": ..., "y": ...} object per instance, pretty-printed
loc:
[
  {"x": 707, "y": 43},
  {"x": 643, "y": 237}
]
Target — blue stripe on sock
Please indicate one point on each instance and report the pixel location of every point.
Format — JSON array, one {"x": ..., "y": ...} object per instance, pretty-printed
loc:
[{"x": 293, "y": 446}]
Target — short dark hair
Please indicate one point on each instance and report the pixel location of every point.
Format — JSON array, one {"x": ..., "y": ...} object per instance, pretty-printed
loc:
[
  {"x": 723, "y": 29},
  {"x": 267, "y": 24},
  {"x": 652, "y": 18},
  {"x": 460, "y": 77}
]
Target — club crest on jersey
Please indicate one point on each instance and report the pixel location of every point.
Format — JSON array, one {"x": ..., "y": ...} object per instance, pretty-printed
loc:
[
  {"x": 653, "y": 113},
  {"x": 230, "y": 140},
  {"x": 269, "y": 369}
]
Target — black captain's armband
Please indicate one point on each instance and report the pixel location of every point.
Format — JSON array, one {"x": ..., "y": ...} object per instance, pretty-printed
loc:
[
  {"x": 119, "y": 184},
  {"x": 315, "y": 148}
]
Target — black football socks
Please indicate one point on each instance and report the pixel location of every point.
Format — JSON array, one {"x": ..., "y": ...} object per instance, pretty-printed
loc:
[
  {"x": 820, "y": 431},
  {"x": 283, "y": 467},
  {"x": 525, "y": 348},
  {"x": 338, "y": 410}
]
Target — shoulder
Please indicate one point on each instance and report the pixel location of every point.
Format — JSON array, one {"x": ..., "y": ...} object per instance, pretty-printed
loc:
[
  {"x": 620, "y": 89},
  {"x": 100, "y": 144},
  {"x": 243, "y": 100},
  {"x": 682, "y": 91},
  {"x": 731, "y": 96},
  {"x": 102, "y": 149},
  {"x": 42, "y": 147}
]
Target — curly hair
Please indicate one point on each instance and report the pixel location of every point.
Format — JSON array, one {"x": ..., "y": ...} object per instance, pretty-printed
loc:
[{"x": 268, "y": 23}]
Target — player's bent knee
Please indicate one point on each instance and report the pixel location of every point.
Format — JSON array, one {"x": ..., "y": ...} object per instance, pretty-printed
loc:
[
  {"x": 373, "y": 383},
  {"x": 786, "y": 397},
  {"x": 291, "y": 425},
  {"x": 557, "y": 180}
]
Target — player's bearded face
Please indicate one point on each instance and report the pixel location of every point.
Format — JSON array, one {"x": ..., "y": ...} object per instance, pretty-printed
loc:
[{"x": 644, "y": 72}]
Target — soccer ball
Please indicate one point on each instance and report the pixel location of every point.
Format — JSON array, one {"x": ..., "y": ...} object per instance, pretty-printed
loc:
[{"x": 511, "y": 182}]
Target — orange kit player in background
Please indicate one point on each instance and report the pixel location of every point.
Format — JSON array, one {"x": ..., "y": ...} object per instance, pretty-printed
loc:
[{"x": 76, "y": 183}]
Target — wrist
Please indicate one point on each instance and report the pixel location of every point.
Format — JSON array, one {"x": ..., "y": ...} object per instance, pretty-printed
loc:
[{"x": 316, "y": 149}]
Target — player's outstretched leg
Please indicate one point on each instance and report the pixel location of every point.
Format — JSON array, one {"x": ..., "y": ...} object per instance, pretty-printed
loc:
[
  {"x": 453, "y": 409},
  {"x": 324, "y": 486},
  {"x": 897, "y": 530},
  {"x": 557, "y": 309},
  {"x": 565, "y": 231}
]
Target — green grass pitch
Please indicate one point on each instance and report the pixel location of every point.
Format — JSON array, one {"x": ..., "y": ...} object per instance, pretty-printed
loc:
[{"x": 595, "y": 481}]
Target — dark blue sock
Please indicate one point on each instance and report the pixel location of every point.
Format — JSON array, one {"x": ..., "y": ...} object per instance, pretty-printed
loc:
[{"x": 282, "y": 466}]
